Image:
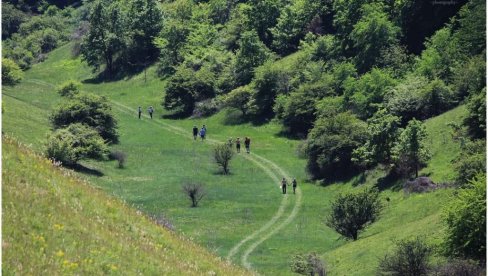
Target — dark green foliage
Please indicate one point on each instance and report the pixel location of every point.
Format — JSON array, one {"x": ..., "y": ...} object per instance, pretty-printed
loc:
[
  {"x": 238, "y": 98},
  {"x": 88, "y": 109},
  {"x": 410, "y": 258},
  {"x": 465, "y": 218},
  {"x": 353, "y": 212},
  {"x": 471, "y": 162},
  {"x": 329, "y": 107},
  {"x": 410, "y": 152},
  {"x": 459, "y": 267},
  {"x": 363, "y": 95},
  {"x": 383, "y": 130},
  {"x": 471, "y": 32},
  {"x": 69, "y": 89},
  {"x": 326, "y": 48},
  {"x": 308, "y": 264},
  {"x": 186, "y": 87},
  {"x": 476, "y": 119},
  {"x": 330, "y": 145},
  {"x": 75, "y": 142},
  {"x": 11, "y": 73},
  {"x": 469, "y": 77},
  {"x": 251, "y": 54},
  {"x": 372, "y": 34},
  {"x": 397, "y": 59},
  {"x": 298, "y": 111},
  {"x": 170, "y": 43},
  {"x": 223, "y": 154},
  {"x": 262, "y": 16},
  {"x": 11, "y": 19}
]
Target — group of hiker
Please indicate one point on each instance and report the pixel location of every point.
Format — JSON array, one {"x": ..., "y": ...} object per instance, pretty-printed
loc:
[
  {"x": 284, "y": 184},
  {"x": 150, "y": 110},
  {"x": 202, "y": 132},
  {"x": 247, "y": 144}
]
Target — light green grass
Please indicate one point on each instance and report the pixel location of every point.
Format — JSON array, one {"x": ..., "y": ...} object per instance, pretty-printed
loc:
[
  {"x": 57, "y": 224},
  {"x": 159, "y": 161}
]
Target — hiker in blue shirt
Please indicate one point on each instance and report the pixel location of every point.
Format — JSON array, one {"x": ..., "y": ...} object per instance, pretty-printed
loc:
[{"x": 202, "y": 133}]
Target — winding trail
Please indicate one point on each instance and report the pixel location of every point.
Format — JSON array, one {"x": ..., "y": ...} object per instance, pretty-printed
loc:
[{"x": 270, "y": 168}]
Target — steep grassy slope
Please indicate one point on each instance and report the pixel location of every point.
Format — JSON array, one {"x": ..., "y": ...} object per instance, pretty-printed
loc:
[
  {"x": 160, "y": 160},
  {"x": 55, "y": 223}
]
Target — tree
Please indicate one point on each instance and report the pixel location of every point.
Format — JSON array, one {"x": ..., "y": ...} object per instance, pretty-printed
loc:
[
  {"x": 476, "y": 118},
  {"x": 405, "y": 99},
  {"x": 372, "y": 34},
  {"x": 410, "y": 152},
  {"x": 352, "y": 212},
  {"x": 172, "y": 39},
  {"x": 238, "y": 98},
  {"x": 11, "y": 19},
  {"x": 465, "y": 218},
  {"x": 195, "y": 192},
  {"x": 469, "y": 77},
  {"x": 410, "y": 258},
  {"x": 75, "y": 142},
  {"x": 308, "y": 264},
  {"x": 262, "y": 16},
  {"x": 252, "y": 53},
  {"x": 362, "y": 96},
  {"x": 471, "y": 33},
  {"x": 223, "y": 154},
  {"x": 107, "y": 37},
  {"x": 11, "y": 72},
  {"x": 88, "y": 109},
  {"x": 330, "y": 144},
  {"x": 69, "y": 89},
  {"x": 383, "y": 131},
  {"x": 471, "y": 161}
]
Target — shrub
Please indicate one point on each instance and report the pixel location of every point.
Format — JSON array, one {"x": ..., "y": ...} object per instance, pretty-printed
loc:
[
  {"x": 76, "y": 142},
  {"x": 223, "y": 154},
  {"x": 476, "y": 119},
  {"x": 308, "y": 264},
  {"x": 120, "y": 156},
  {"x": 465, "y": 218},
  {"x": 410, "y": 258},
  {"x": 195, "y": 192},
  {"x": 89, "y": 109},
  {"x": 69, "y": 89},
  {"x": 205, "y": 108},
  {"x": 239, "y": 98},
  {"x": 471, "y": 161},
  {"x": 330, "y": 145},
  {"x": 352, "y": 212},
  {"x": 11, "y": 73},
  {"x": 458, "y": 267},
  {"x": 469, "y": 77}
]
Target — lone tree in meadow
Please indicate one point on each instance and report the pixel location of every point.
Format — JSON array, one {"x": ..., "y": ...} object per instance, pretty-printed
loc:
[
  {"x": 352, "y": 212},
  {"x": 195, "y": 192},
  {"x": 223, "y": 154},
  {"x": 411, "y": 152}
]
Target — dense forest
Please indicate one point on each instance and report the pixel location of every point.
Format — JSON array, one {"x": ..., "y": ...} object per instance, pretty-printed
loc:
[{"x": 354, "y": 79}]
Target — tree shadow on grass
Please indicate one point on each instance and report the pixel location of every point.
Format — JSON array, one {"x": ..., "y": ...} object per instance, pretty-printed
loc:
[
  {"x": 85, "y": 170},
  {"x": 284, "y": 133},
  {"x": 127, "y": 72},
  {"x": 391, "y": 181}
]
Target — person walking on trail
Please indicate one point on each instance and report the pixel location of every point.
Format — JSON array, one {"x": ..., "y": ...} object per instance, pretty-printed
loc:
[
  {"x": 294, "y": 184},
  {"x": 139, "y": 110},
  {"x": 202, "y": 133},
  {"x": 247, "y": 143},
  {"x": 283, "y": 185},
  {"x": 238, "y": 145},
  {"x": 150, "y": 110},
  {"x": 195, "y": 132}
]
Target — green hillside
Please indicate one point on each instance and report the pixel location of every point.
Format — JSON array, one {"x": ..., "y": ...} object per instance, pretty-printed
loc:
[
  {"x": 244, "y": 216},
  {"x": 58, "y": 224}
]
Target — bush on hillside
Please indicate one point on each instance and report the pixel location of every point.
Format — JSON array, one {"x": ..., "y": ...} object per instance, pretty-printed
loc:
[
  {"x": 465, "y": 218},
  {"x": 353, "y": 212},
  {"x": 409, "y": 258},
  {"x": 89, "y": 109},
  {"x": 469, "y": 77},
  {"x": 69, "y": 89},
  {"x": 470, "y": 162},
  {"x": 223, "y": 154},
  {"x": 330, "y": 145},
  {"x": 205, "y": 108},
  {"x": 120, "y": 156},
  {"x": 238, "y": 98},
  {"x": 458, "y": 267},
  {"x": 308, "y": 264},
  {"x": 76, "y": 142},
  {"x": 476, "y": 119},
  {"x": 195, "y": 192},
  {"x": 11, "y": 73}
]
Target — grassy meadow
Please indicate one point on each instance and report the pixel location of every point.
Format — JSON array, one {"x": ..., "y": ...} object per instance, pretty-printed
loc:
[{"x": 162, "y": 156}]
